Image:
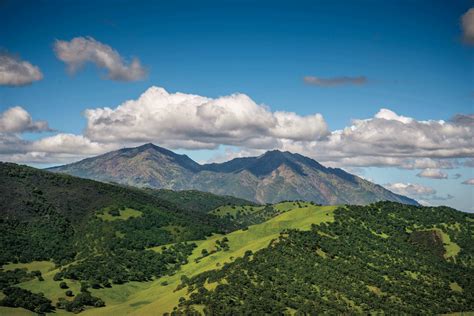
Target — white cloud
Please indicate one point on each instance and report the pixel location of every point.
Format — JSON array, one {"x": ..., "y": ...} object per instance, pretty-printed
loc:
[
  {"x": 467, "y": 24},
  {"x": 17, "y": 72},
  {"x": 81, "y": 50},
  {"x": 179, "y": 120},
  {"x": 60, "y": 148},
  {"x": 187, "y": 121},
  {"x": 388, "y": 115},
  {"x": 417, "y": 191},
  {"x": 433, "y": 174},
  {"x": 18, "y": 120},
  {"x": 410, "y": 189},
  {"x": 389, "y": 139},
  {"x": 469, "y": 181}
]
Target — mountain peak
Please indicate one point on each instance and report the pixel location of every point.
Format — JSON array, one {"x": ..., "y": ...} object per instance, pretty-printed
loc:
[
  {"x": 264, "y": 179},
  {"x": 150, "y": 146},
  {"x": 274, "y": 153}
]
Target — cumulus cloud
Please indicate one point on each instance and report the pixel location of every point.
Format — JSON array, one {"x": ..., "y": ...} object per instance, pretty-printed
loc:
[
  {"x": 469, "y": 181},
  {"x": 180, "y": 120},
  {"x": 433, "y": 174},
  {"x": 389, "y": 139},
  {"x": 60, "y": 148},
  {"x": 417, "y": 191},
  {"x": 51, "y": 149},
  {"x": 467, "y": 24},
  {"x": 18, "y": 120},
  {"x": 336, "y": 81},
  {"x": 188, "y": 121},
  {"x": 81, "y": 50},
  {"x": 17, "y": 72},
  {"x": 410, "y": 189}
]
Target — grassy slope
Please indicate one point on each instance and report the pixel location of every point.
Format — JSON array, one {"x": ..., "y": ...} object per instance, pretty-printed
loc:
[{"x": 153, "y": 298}]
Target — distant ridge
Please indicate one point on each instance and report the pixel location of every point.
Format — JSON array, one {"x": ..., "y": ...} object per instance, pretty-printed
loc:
[{"x": 268, "y": 178}]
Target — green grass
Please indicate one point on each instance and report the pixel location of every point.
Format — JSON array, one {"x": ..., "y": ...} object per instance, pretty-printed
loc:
[
  {"x": 10, "y": 311},
  {"x": 232, "y": 210},
  {"x": 49, "y": 287},
  {"x": 286, "y": 206},
  {"x": 153, "y": 298},
  {"x": 451, "y": 248},
  {"x": 381, "y": 235},
  {"x": 124, "y": 214},
  {"x": 43, "y": 266},
  {"x": 455, "y": 287}
]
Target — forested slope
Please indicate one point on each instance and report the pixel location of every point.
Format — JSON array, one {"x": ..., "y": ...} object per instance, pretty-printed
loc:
[
  {"x": 385, "y": 257},
  {"x": 76, "y": 245},
  {"x": 98, "y": 233}
]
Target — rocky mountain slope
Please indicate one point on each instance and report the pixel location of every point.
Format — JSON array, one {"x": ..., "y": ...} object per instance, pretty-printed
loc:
[{"x": 269, "y": 178}]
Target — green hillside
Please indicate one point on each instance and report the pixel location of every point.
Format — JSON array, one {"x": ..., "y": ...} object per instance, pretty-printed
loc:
[
  {"x": 383, "y": 258},
  {"x": 122, "y": 251},
  {"x": 158, "y": 296},
  {"x": 254, "y": 214},
  {"x": 196, "y": 200},
  {"x": 95, "y": 233}
]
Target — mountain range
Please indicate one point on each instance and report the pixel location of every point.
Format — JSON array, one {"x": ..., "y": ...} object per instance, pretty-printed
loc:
[{"x": 269, "y": 178}]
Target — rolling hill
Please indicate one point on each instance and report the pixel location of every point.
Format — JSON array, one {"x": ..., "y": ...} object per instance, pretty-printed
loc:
[
  {"x": 294, "y": 257},
  {"x": 270, "y": 178}
]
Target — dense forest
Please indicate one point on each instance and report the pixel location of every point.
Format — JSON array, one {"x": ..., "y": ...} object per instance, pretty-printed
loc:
[
  {"x": 198, "y": 201},
  {"x": 370, "y": 259}
]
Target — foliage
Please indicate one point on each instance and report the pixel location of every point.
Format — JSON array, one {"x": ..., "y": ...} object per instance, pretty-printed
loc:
[
  {"x": 17, "y": 297},
  {"x": 246, "y": 215},
  {"x": 198, "y": 201},
  {"x": 11, "y": 277},
  {"x": 125, "y": 265},
  {"x": 361, "y": 271},
  {"x": 48, "y": 216},
  {"x": 78, "y": 304}
]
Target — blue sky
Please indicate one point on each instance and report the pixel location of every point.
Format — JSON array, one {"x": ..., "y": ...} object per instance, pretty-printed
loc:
[{"x": 410, "y": 52}]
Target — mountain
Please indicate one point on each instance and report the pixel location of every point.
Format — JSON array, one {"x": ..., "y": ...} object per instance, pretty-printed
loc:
[{"x": 272, "y": 177}]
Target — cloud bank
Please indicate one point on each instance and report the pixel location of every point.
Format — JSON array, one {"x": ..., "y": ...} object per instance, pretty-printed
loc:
[
  {"x": 16, "y": 72},
  {"x": 410, "y": 189},
  {"x": 81, "y": 50},
  {"x": 336, "y": 81},
  {"x": 417, "y": 191},
  {"x": 188, "y": 121}
]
